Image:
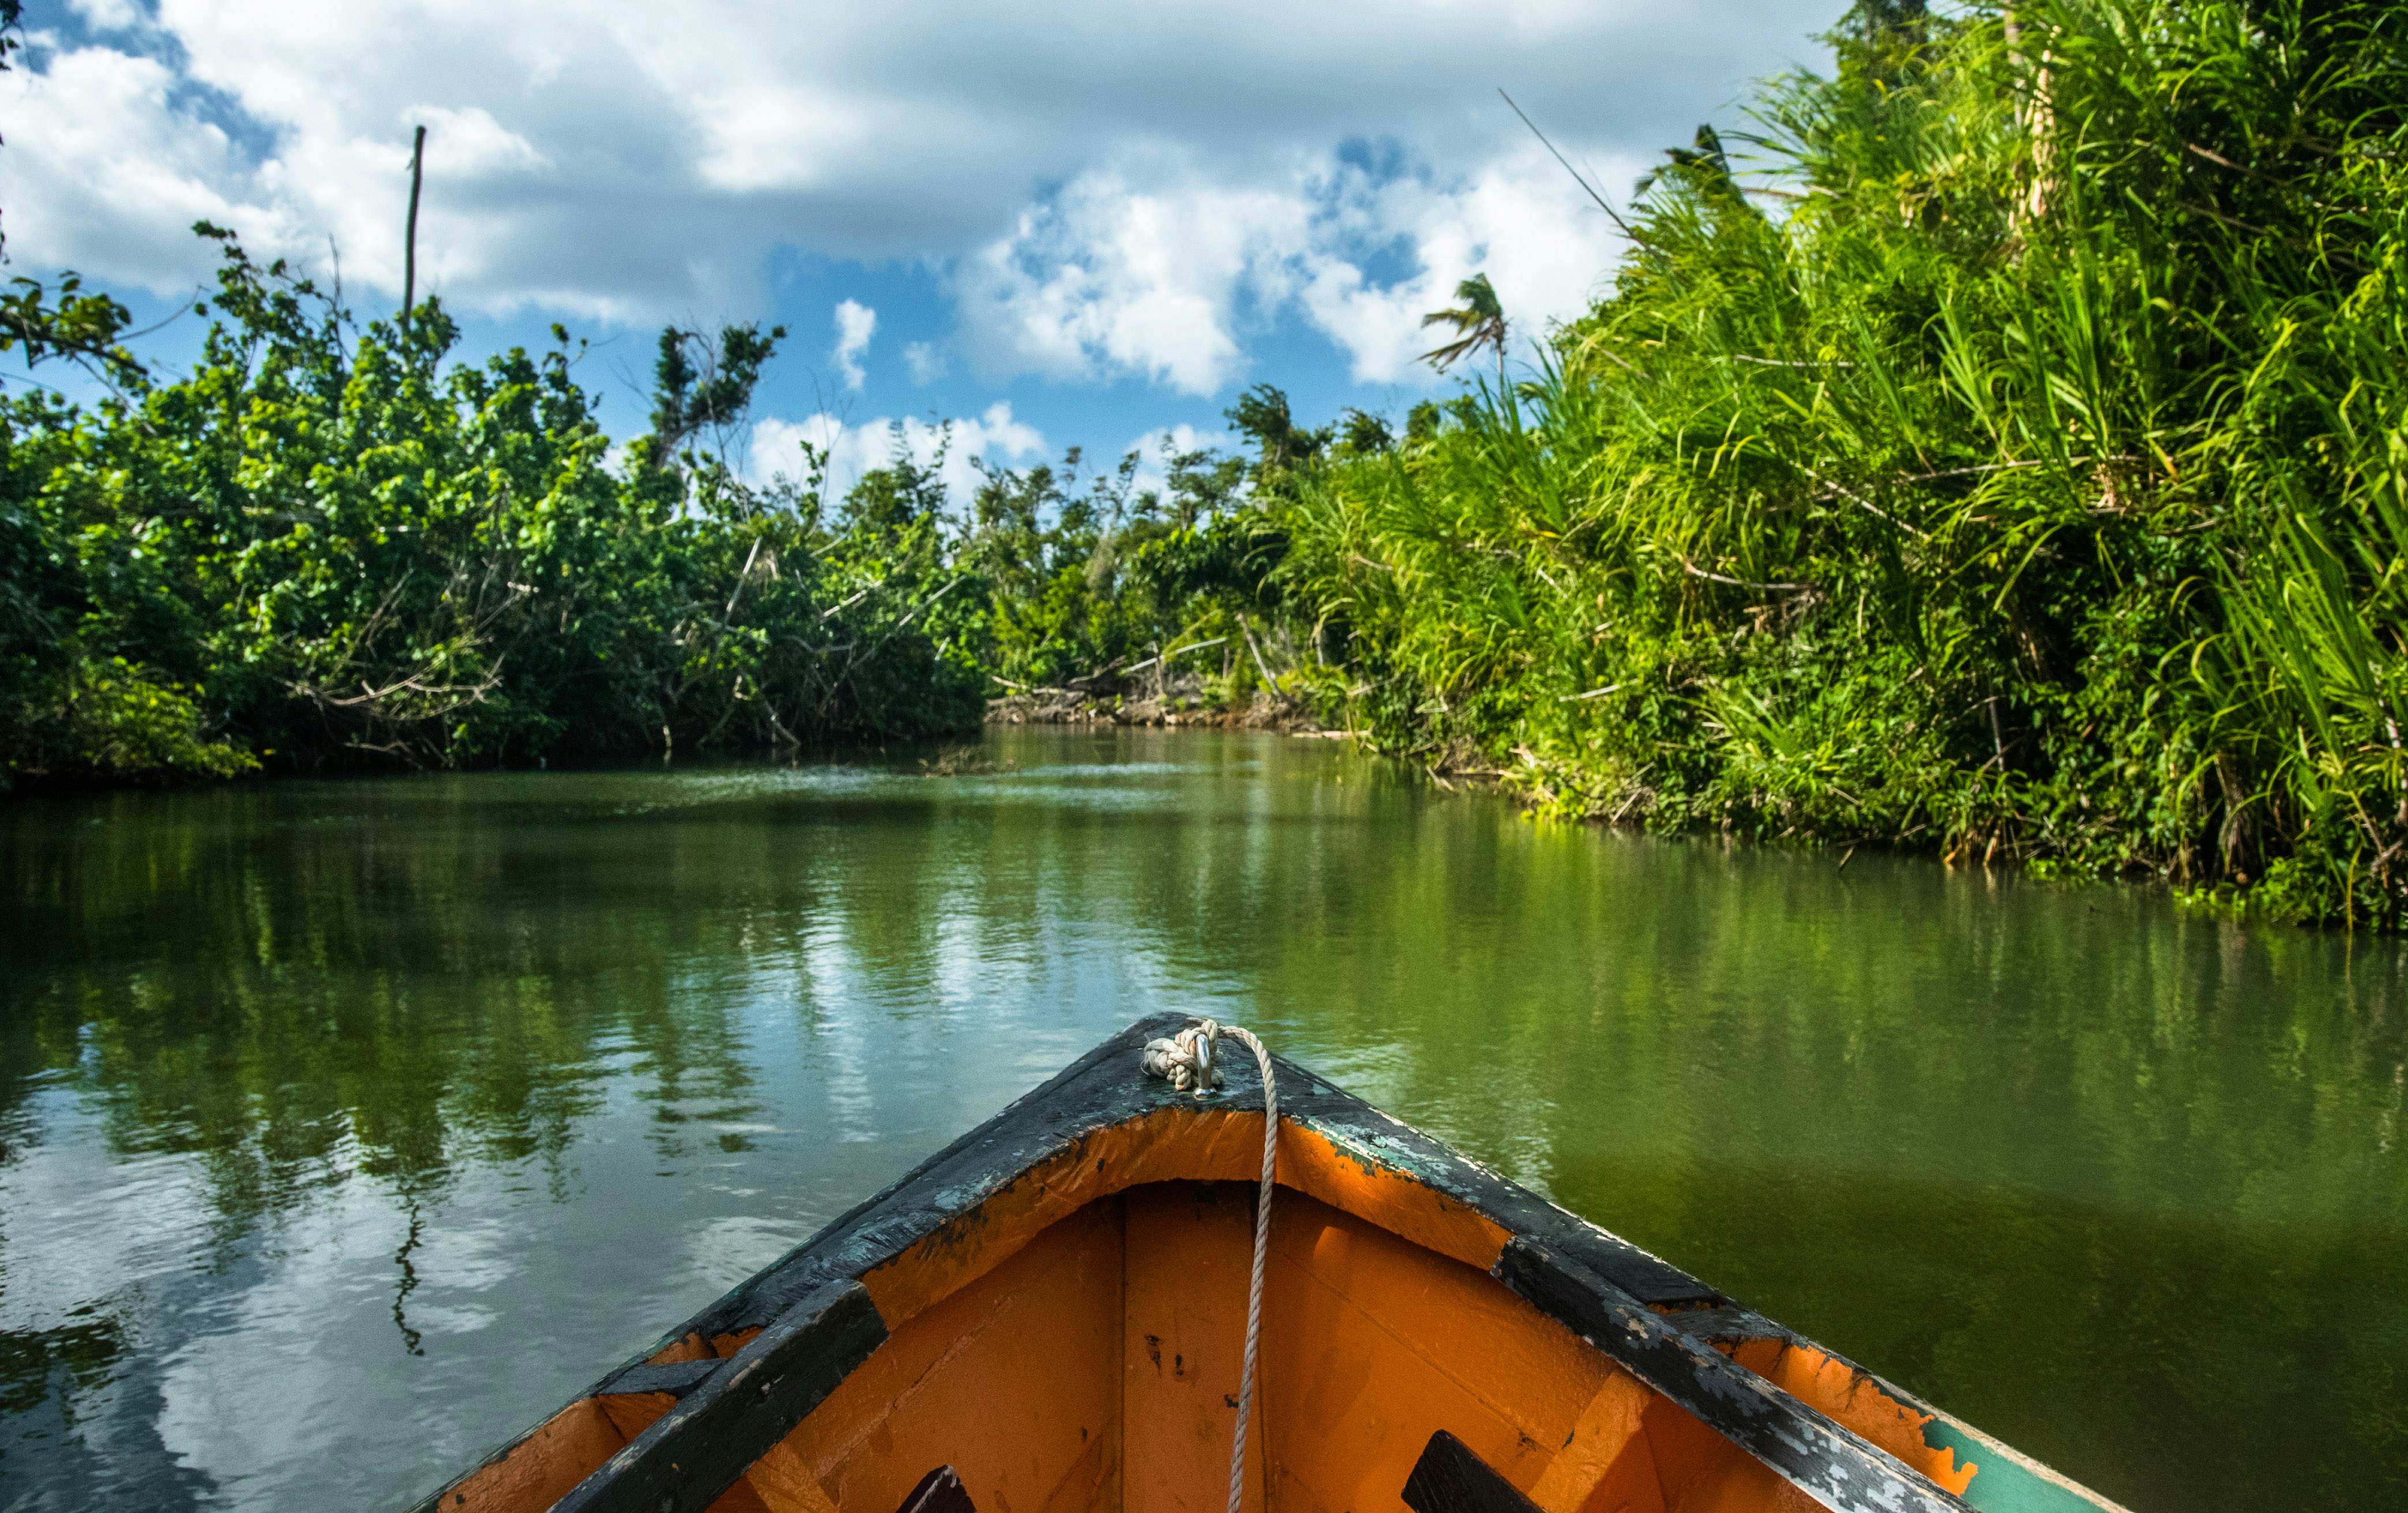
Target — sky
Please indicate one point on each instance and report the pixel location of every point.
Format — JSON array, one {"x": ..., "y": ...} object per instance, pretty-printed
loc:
[{"x": 1064, "y": 224}]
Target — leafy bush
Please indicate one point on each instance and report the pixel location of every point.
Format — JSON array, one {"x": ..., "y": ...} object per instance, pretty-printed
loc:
[{"x": 325, "y": 547}]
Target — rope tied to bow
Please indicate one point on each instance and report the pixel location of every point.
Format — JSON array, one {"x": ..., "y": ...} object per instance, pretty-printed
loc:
[{"x": 1186, "y": 1060}]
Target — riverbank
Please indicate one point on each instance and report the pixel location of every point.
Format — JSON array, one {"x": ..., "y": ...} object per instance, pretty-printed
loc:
[
  {"x": 1187, "y": 700},
  {"x": 2026, "y": 503},
  {"x": 1993, "y": 457}
]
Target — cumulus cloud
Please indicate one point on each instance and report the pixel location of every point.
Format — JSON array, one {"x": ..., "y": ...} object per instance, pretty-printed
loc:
[
  {"x": 854, "y": 321},
  {"x": 595, "y": 162},
  {"x": 1506, "y": 219},
  {"x": 560, "y": 171},
  {"x": 124, "y": 167},
  {"x": 1156, "y": 275},
  {"x": 925, "y": 363},
  {"x": 854, "y": 449},
  {"x": 1114, "y": 276}
]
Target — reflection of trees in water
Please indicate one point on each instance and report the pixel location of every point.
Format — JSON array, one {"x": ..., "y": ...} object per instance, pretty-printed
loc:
[
  {"x": 76, "y": 1402},
  {"x": 1946, "y": 1126},
  {"x": 85, "y": 1352},
  {"x": 288, "y": 1001},
  {"x": 267, "y": 979},
  {"x": 296, "y": 984}
]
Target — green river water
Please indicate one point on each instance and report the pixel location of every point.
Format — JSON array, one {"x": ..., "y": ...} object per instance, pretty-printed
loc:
[{"x": 346, "y": 1128}]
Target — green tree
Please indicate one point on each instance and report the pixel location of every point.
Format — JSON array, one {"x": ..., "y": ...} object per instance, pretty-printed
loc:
[
  {"x": 702, "y": 390},
  {"x": 1477, "y": 321}
]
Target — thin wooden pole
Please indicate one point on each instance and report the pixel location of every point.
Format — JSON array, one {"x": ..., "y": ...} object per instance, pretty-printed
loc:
[{"x": 409, "y": 237}]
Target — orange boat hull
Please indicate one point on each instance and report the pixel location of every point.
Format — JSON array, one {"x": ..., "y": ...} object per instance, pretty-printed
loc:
[{"x": 1066, "y": 1336}]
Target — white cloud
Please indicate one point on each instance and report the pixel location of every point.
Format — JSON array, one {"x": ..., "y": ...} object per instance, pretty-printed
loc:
[
  {"x": 123, "y": 173},
  {"x": 471, "y": 142},
  {"x": 1143, "y": 177},
  {"x": 925, "y": 363},
  {"x": 1116, "y": 276},
  {"x": 853, "y": 449},
  {"x": 1509, "y": 219},
  {"x": 1109, "y": 278},
  {"x": 854, "y": 321}
]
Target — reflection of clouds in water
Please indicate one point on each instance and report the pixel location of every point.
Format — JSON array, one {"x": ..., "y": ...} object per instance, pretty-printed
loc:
[
  {"x": 837, "y": 1049},
  {"x": 965, "y": 955},
  {"x": 313, "y": 1321},
  {"x": 338, "y": 1252},
  {"x": 463, "y": 1253},
  {"x": 68, "y": 1244},
  {"x": 434, "y": 1318},
  {"x": 725, "y": 1251}
]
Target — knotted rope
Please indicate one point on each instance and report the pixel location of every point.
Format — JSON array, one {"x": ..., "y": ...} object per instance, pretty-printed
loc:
[{"x": 1186, "y": 1060}]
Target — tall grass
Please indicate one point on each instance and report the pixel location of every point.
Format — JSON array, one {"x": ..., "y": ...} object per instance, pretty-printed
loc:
[{"x": 2002, "y": 452}]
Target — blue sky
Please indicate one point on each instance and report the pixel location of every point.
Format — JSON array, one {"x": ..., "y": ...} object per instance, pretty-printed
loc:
[{"x": 1084, "y": 225}]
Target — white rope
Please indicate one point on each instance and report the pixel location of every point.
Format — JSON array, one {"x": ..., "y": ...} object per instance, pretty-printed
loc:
[{"x": 1186, "y": 1060}]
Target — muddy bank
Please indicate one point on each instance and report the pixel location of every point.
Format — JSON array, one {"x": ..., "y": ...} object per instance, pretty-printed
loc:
[{"x": 1139, "y": 701}]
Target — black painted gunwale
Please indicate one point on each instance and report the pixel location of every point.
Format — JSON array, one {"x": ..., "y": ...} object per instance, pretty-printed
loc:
[{"x": 1620, "y": 1298}]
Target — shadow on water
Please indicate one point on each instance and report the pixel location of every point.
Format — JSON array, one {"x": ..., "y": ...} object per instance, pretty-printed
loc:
[{"x": 427, "y": 1099}]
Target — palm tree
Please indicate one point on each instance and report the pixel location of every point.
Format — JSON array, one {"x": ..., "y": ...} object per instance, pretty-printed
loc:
[{"x": 1478, "y": 322}]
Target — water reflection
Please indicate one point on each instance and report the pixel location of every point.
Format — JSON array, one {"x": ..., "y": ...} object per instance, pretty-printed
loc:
[{"x": 343, "y": 1127}]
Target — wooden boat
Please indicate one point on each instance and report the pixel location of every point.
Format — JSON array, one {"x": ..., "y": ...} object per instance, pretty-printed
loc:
[{"x": 1045, "y": 1317}]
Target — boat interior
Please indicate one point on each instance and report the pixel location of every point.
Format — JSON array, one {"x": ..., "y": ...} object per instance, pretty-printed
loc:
[{"x": 1072, "y": 1345}]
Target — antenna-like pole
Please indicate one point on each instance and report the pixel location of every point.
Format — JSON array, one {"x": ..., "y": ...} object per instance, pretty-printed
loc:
[
  {"x": 409, "y": 237},
  {"x": 1577, "y": 178}
]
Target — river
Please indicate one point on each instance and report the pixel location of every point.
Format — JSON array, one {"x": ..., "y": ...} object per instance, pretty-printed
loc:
[{"x": 347, "y": 1127}]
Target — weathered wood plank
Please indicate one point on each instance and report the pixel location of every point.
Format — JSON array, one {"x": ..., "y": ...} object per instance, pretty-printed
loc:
[
  {"x": 1449, "y": 1479},
  {"x": 1832, "y": 1465},
  {"x": 1728, "y": 1323},
  {"x": 698, "y": 1449},
  {"x": 675, "y": 1378}
]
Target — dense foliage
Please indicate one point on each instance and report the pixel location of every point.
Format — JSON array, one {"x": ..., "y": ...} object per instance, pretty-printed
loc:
[
  {"x": 2014, "y": 467},
  {"x": 323, "y": 546},
  {"x": 326, "y": 548},
  {"x": 2004, "y": 452}
]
